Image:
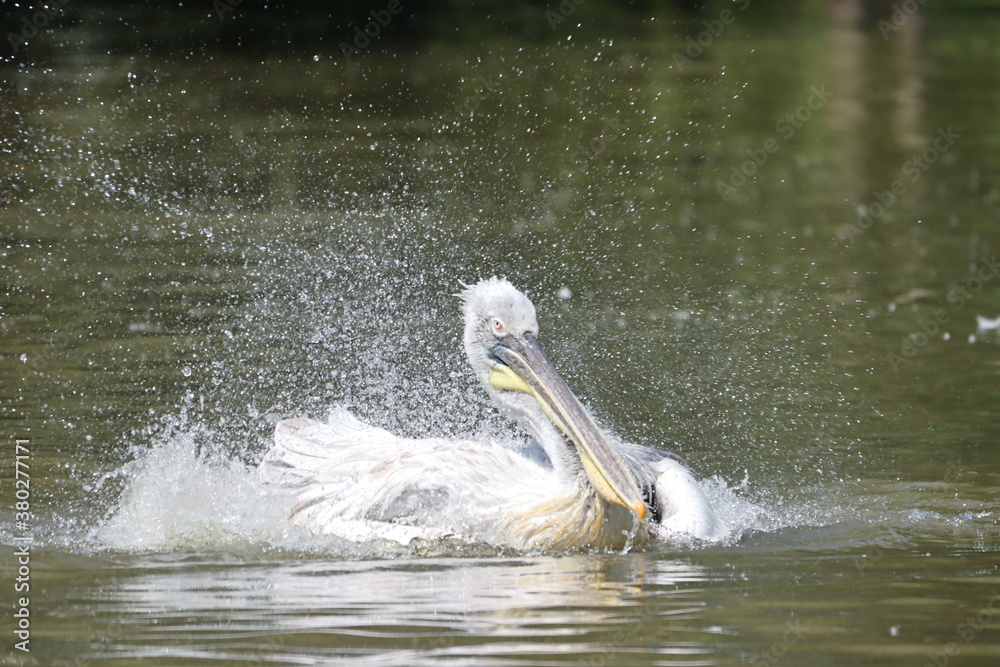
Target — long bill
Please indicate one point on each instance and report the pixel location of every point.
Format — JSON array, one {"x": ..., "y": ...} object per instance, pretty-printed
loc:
[{"x": 526, "y": 368}]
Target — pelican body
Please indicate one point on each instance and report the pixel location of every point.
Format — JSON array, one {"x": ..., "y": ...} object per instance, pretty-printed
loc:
[{"x": 570, "y": 487}]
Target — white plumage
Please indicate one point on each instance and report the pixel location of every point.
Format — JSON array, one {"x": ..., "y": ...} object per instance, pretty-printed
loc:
[{"x": 571, "y": 488}]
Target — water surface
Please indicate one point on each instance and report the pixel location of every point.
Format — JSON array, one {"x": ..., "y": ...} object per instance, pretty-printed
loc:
[{"x": 195, "y": 248}]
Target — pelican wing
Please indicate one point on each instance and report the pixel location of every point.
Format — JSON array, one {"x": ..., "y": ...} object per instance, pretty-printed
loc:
[
  {"x": 361, "y": 482},
  {"x": 347, "y": 471}
]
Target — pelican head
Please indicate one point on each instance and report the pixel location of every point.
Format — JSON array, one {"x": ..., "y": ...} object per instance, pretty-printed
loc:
[{"x": 501, "y": 341}]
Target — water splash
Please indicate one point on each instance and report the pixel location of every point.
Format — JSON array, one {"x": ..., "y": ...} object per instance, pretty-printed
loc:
[
  {"x": 181, "y": 495},
  {"x": 180, "y": 498}
]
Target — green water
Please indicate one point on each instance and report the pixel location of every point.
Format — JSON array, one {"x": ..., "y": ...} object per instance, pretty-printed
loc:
[{"x": 196, "y": 247}]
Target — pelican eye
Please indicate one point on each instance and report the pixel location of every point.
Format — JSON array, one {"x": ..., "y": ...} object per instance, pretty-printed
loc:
[{"x": 499, "y": 328}]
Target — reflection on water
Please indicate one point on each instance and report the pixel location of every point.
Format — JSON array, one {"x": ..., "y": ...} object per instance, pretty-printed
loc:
[
  {"x": 197, "y": 248},
  {"x": 383, "y": 612},
  {"x": 641, "y": 609}
]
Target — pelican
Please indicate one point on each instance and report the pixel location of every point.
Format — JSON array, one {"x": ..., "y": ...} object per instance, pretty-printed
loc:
[{"x": 571, "y": 487}]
